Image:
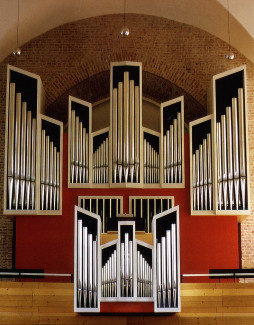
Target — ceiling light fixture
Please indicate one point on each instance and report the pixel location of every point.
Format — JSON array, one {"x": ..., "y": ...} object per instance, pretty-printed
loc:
[
  {"x": 124, "y": 30},
  {"x": 18, "y": 50},
  {"x": 230, "y": 55}
]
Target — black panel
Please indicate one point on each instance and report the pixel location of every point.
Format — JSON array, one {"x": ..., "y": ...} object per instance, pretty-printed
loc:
[
  {"x": 118, "y": 74},
  {"x": 90, "y": 223},
  {"x": 126, "y": 229},
  {"x": 98, "y": 140},
  {"x": 199, "y": 132},
  {"x": 153, "y": 141},
  {"x": 83, "y": 113},
  {"x": 226, "y": 89},
  {"x": 146, "y": 253},
  {"x": 53, "y": 131},
  {"x": 169, "y": 114},
  {"x": 164, "y": 223},
  {"x": 27, "y": 86},
  {"x": 106, "y": 253}
]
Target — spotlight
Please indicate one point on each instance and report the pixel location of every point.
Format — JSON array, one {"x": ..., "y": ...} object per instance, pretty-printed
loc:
[
  {"x": 125, "y": 31},
  {"x": 17, "y": 51}
]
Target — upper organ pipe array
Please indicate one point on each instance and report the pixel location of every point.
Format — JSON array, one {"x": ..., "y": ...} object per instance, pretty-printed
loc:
[
  {"x": 21, "y": 154},
  {"x": 101, "y": 163},
  {"x": 125, "y": 153},
  {"x": 79, "y": 150},
  {"x": 126, "y": 131},
  {"x": 151, "y": 163},
  {"x": 172, "y": 151},
  {"x": 50, "y": 174},
  {"x": 202, "y": 175},
  {"x": 231, "y": 156}
]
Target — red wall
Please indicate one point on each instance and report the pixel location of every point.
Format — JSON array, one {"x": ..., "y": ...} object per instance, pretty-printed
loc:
[{"x": 205, "y": 241}]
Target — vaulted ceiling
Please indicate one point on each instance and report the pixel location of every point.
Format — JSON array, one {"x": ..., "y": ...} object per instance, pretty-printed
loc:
[{"x": 38, "y": 16}]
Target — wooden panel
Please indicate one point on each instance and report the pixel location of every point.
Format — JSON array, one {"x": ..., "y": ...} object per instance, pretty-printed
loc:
[{"x": 26, "y": 303}]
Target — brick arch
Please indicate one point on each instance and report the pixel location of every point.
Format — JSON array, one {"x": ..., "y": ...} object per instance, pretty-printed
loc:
[
  {"x": 96, "y": 88},
  {"x": 87, "y": 69},
  {"x": 173, "y": 53}
]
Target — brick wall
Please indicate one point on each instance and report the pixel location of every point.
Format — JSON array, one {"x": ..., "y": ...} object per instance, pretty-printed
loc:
[{"x": 169, "y": 51}]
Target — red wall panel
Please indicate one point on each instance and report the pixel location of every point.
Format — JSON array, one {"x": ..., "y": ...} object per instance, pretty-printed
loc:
[{"x": 205, "y": 241}]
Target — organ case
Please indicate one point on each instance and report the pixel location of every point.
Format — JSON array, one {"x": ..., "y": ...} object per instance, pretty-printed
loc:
[
  {"x": 227, "y": 101},
  {"x": 125, "y": 124},
  {"x": 166, "y": 261},
  {"x": 79, "y": 143},
  {"x": 172, "y": 143},
  {"x": 201, "y": 166},
  {"x": 87, "y": 261},
  {"x": 50, "y": 165},
  {"x": 24, "y": 102}
]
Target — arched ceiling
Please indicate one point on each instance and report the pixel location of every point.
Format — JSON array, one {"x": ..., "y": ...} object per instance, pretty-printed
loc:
[
  {"x": 154, "y": 88},
  {"x": 37, "y": 17}
]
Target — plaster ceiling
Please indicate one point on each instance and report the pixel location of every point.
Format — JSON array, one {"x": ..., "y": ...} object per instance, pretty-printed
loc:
[{"x": 38, "y": 16}]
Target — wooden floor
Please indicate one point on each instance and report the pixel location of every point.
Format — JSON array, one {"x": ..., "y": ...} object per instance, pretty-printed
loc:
[{"x": 52, "y": 303}]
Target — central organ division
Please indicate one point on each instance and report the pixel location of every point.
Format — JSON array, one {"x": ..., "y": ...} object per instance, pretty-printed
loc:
[
  {"x": 126, "y": 123},
  {"x": 125, "y": 153}
]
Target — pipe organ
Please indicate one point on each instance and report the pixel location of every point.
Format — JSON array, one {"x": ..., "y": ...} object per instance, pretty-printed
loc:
[
  {"x": 229, "y": 143},
  {"x": 109, "y": 270},
  {"x": 22, "y": 183},
  {"x": 201, "y": 161},
  {"x": 126, "y": 121},
  {"x": 166, "y": 273},
  {"x": 79, "y": 143},
  {"x": 144, "y": 270},
  {"x": 87, "y": 261},
  {"x": 101, "y": 157},
  {"x": 125, "y": 260},
  {"x": 143, "y": 208},
  {"x": 172, "y": 143},
  {"x": 126, "y": 154},
  {"x": 126, "y": 269},
  {"x": 139, "y": 259},
  {"x": 109, "y": 208},
  {"x": 50, "y": 140},
  {"x": 151, "y": 160}
]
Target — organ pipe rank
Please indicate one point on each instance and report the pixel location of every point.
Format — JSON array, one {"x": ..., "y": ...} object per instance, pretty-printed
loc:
[
  {"x": 126, "y": 122},
  {"x": 231, "y": 168},
  {"x": 33, "y": 166},
  {"x": 50, "y": 167},
  {"x": 172, "y": 142},
  {"x": 21, "y": 154}
]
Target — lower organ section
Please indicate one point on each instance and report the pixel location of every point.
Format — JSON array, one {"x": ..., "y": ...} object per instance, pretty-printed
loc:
[{"x": 127, "y": 269}]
